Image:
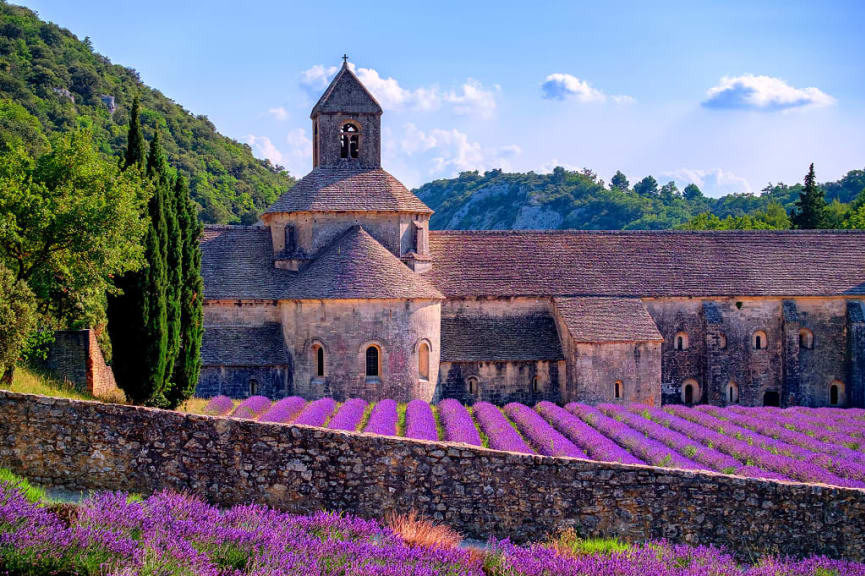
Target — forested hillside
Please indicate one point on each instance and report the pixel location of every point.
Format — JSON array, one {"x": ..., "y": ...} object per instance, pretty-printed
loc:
[
  {"x": 50, "y": 81},
  {"x": 565, "y": 199}
]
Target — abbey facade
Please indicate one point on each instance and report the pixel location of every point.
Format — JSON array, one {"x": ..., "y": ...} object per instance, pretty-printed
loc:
[{"x": 342, "y": 290}]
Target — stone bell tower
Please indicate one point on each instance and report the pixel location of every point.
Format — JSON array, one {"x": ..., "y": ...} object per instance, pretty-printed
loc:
[{"x": 346, "y": 124}]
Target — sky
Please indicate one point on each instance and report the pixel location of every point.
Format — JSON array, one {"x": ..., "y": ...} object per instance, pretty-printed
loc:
[{"x": 728, "y": 95}]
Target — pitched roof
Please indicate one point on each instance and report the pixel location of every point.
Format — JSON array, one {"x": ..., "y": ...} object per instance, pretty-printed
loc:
[
  {"x": 348, "y": 188},
  {"x": 509, "y": 338},
  {"x": 607, "y": 319},
  {"x": 243, "y": 346},
  {"x": 237, "y": 264},
  {"x": 648, "y": 264},
  {"x": 355, "y": 265},
  {"x": 346, "y": 94}
]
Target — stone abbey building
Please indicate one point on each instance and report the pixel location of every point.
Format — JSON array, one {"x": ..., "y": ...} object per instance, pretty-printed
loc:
[{"x": 342, "y": 290}]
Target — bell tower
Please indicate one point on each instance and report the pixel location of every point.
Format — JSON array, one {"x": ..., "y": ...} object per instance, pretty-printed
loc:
[{"x": 346, "y": 124}]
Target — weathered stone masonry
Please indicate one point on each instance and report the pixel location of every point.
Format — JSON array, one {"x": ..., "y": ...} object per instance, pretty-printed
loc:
[{"x": 88, "y": 445}]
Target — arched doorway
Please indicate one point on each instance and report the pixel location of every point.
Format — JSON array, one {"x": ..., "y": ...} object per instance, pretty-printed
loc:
[{"x": 771, "y": 398}]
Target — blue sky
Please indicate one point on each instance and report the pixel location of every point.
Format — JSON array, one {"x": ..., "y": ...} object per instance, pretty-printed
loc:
[{"x": 730, "y": 95}]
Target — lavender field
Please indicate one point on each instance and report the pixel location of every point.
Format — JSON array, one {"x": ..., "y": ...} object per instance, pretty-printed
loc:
[
  {"x": 117, "y": 534},
  {"x": 820, "y": 445}
]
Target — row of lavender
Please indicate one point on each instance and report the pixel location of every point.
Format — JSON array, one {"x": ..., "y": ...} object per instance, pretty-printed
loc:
[{"x": 808, "y": 445}]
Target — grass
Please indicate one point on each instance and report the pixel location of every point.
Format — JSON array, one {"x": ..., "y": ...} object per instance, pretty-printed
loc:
[
  {"x": 419, "y": 531},
  {"x": 194, "y": 406},
  {"x": 365, "y": 418},
  {"x": 569, "y": 543},
  {"x": 26, "y": 381},
  {"x": 400, "y": 419},
  {"x": 32, "y": 493}
]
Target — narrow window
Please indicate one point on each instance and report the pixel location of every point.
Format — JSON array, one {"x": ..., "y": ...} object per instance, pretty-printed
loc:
[
  {"x": 681, "y": 341},
  {"x": 289, "y": 239},
  {"x": 689, "y": 394},
  {"x": 722, "y": 341},
  {"x": 833, "y": 395},
  {"x": 535, "y": 386},
  {"x": 473, "y": 386},
  {"x": 690, "y": 391},
  {"x": 319, "y": 362},
  {"x": 253, "y": 387},
  {"x": 423, "y": 361},
  {"x": 806, "y": 339},
  {"x": 618, "y": 390},
  {"x": 732, "y": 393},
  {"x": 760, "y": 341},
  {"x": 372, "y": 362}
]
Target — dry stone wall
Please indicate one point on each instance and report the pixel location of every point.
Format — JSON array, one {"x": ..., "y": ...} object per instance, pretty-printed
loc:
[{"x": 88, "y": 445}]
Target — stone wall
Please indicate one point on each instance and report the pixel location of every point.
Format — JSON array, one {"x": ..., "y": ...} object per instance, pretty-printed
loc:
[
  {"x": 87, "y": 445},
  {"x": 503, "y": 382},
  {"x": 75, "y": 356}
]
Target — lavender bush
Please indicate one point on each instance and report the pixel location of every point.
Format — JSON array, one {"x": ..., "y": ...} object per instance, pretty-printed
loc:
[
  {"x": 219, "y": 406},
  {"x": 284, "y": 410},
  {"x": 595, "y": 444},
  {"x": 501, "y": 434},
  {"x": 316, "y": 412},
  {"x": 383, "y": 418},
  {"x": 348, "y": 416},
  {"x": 252, "y": 407},
  {"x": 420, "y": 422},
  {"x": 544, "y": 438},
  {"x": 458, "y": 423}
]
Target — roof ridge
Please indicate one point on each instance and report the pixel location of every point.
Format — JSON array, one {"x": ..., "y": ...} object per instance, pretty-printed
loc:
[
  {"x": 329, "y": 91},
  {"x": 574, "y": 231}
]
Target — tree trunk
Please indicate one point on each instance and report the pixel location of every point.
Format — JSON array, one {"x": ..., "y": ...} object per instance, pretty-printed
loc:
[{"x": 6, "y": 380}]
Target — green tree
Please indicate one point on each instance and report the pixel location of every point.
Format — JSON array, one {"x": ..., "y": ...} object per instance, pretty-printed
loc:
[
  {"x": 692, "y": 192},
  {"x": 648, "y": 186},
  {"x": 619, "y": 182},
  {"x": 856, "y": 216},
  {"x": 136, "y": 153},
  {"x": 17, "y": 319},
  {"x": 836, "y": 214},
  {"x": 187, "y": 367},
  {"x": 810, "y": 210}
]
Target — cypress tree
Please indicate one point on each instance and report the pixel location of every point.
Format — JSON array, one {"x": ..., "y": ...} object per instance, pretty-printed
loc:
[
  {"x": 810, "y": 211},
  {"x": 135, "y": 149},
  {"x": 188, "y": 364}
]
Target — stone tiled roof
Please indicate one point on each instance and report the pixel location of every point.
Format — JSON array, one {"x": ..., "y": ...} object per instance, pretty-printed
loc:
[
  {"x": 243, "y": 346},
  {"x": 607, "y": 319},
  {"x": 346, "y": 94},
  {"x": 355, "y": 265},
  {"x": 488, "y": 339},
  {"x": 237, "y": 264},
  {"x": 349, "y": 188},
  {"x": 647, "y": 264}
]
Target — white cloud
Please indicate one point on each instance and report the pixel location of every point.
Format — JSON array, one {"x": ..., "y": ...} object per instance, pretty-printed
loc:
[
  {"x": 452, "y": 151},
  {"x": 560, "y": 86},
  {"x": 547, "y": 167},
  {"x": 764, "y": 93},
  {"x": 471, "y": 99},
  {"x": 264, "y": 148},
  {"x": 715, "y": 182},
  {"x": 295, "y": 155},
  {"x": 278, "y": 112}
]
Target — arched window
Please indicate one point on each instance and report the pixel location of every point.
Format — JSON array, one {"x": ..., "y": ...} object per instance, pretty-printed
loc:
[
  {"x": 759, "y": 340},
  {"x": 722, "y": 341},
  {"x": 732, "y": 393},
  {"x": 806, "y": 339},
  {"x": 423, "y": 361},
  {"x": 318, "y": 360},
  {"x": 836, "y": 393},
  {"x": 349, "y": 141},
  {"x": 474, "y": 387},
  {"x": 690, "y": 391},
  {"x": 771, "y": 398},
  {"x": 373, "y": 362},
  {"x": 680, "y": 342},
  {"x": 253, "y": 387},
  {"x": 617, "y": 390},
  {"x": 535, "y": 385}
]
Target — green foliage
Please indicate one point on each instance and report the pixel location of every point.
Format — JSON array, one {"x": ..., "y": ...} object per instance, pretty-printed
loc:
[
  {"x": 774, "y": 217},
  {"x": 17, "y": 317},
  {"x": 810, "y": 211},
  {"x": 51, "y": 82},
  {"x": 619, "y": 181},
  {"x": 31, "y": 493}
]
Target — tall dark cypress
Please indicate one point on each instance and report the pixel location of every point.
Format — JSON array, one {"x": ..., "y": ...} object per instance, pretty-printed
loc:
[
  {"x": 136, "y": 152},
  {"x": 810, "y": 210},
  {"x": 188, "y": 364}
]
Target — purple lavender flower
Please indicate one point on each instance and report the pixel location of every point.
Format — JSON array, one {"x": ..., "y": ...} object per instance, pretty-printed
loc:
[
  {"x": 383, "y": 418},
  {"x": 316, "y": 412},
  {"x": 219, "y": 406},
  {"x": 349, "y": 415},
  {"x": 648, "y": 450},
  {"x": 458, "y": 423},
  {"x": 595, "y": 444},
  {"x": 252, "y": 407},
  {"x": 284, "y": 411},
  {"x": 419, "y": 421},
  {"x": 501, "y": 433},
  {"x": 544, "y": 438}
]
